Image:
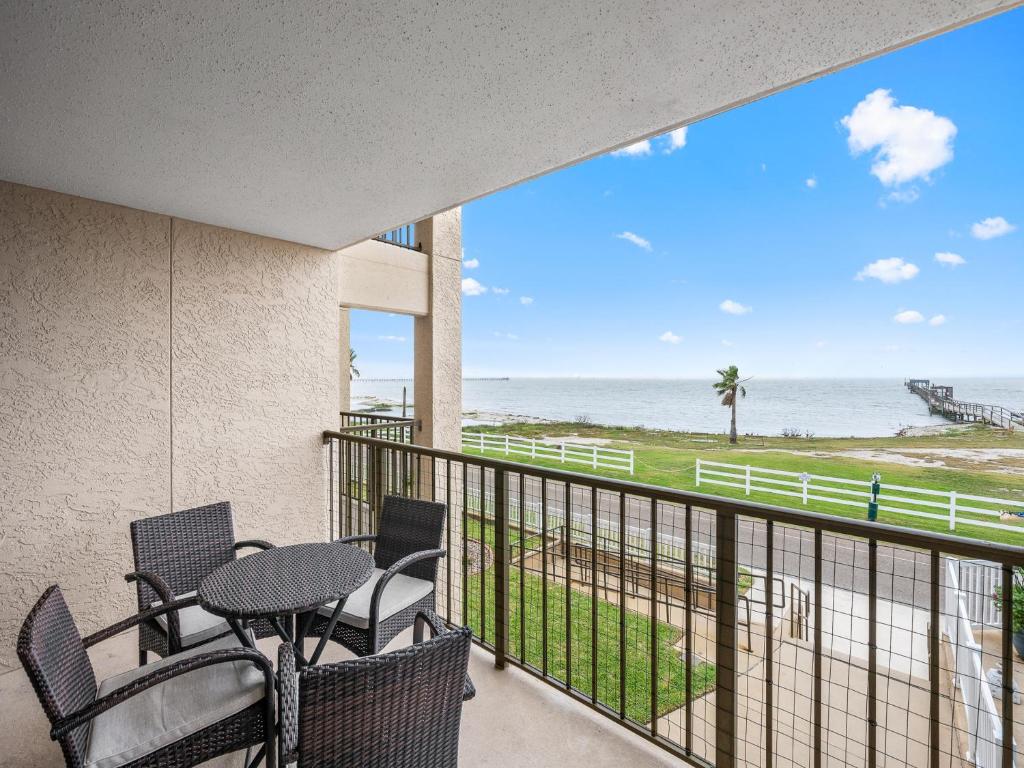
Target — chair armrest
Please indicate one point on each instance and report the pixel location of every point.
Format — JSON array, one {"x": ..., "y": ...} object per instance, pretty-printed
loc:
[
  {"x": 146, "y": 615},
  {"x": 100, "y": 705},
  {"x": 437, "y": 627},
  {"x": 155, "y": 581},
  {"x": 356, "y": 539},
  {"x": 256, "y": 543},
  {"x": 288, "y": 701}
]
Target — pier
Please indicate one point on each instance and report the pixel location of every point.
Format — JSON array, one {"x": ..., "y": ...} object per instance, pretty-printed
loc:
[{"x": 940, "y": 400}]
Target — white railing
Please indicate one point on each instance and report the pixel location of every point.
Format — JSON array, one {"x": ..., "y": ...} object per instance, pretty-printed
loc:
[
  {"x": 594, "y": 456},
  {"x": 984, "y": 727},
  {"x": 638, "y": 540},
  {"x": 949, "y": 506}
]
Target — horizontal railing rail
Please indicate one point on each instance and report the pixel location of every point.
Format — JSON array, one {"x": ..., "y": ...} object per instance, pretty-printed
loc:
[{"x": 667, "y": 610}]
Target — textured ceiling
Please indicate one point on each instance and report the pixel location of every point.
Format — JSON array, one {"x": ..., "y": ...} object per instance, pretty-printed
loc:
[{"x": 328, "y": 122}]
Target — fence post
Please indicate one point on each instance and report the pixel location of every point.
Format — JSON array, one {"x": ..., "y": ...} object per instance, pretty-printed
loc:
[
  {"x": 506, "y": 445},
  {"x": 631, "y": 458},
  {"x": 698, "y": 473},
  {"x": 563, "y": 453},
  {"x": 952, "y": 510},
  {"x": 804, "y": 478},
  {"x": 748, "y": 480},
  {"x": 594, "y": 454},
  {"x": 725, "y": 639},
  {"x": 501, "y": 597},
  {"x": 533, "y": 448}
]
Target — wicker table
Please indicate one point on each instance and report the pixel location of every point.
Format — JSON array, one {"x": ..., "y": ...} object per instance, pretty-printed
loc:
[{"x": 286, "y": 585}]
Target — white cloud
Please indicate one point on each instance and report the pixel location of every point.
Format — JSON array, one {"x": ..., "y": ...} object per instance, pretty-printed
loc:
[
  {"x": 391, "y": 338},
  {"x": 676, "y": 140},
  {"x": 994, "y": 226},
  {"x": 910, "y": 142},
  {"x": 639, "y": 242},
  {"x": 908, "y": 316},
  {"x": 811, "y": 182},
  {"x": 892, "y": 270},
  {"x": 471, "y": 263},
  {"x": 907, "y": 195},
  {"x": 727, "y": 343},
  {"x": 526, "y": 300},
  {"x": 670, "y": 338},
  {"x": 734, "y": 308},
  {"x": 950, "y": 259},
  {"x": 639, "y": 149},
  {"x": 500, "y": 291},
  {"x": 472, "y": 287},
  {"x": 509, "y": 336},
  {"x": 820, "y": 344},
  {"x": 937, "y": 320}
]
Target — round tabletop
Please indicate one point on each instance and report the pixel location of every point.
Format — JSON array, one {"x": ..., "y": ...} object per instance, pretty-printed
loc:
[{"x": 285, "y": 580}]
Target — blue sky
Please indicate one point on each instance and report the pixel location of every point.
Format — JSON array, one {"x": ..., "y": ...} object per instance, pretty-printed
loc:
[{"x": 620, "y": 266}]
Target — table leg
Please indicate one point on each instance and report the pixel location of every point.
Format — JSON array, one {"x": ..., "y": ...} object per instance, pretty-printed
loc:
[
  {"x": 327, "y": 632},
  {"x": 243, "y": 636}
]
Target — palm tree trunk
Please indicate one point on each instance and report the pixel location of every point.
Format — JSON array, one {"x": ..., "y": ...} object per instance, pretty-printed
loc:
[{"x": 732, "y": 425}]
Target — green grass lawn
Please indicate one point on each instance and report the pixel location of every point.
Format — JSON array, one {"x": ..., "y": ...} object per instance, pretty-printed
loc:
[
  {"x": 668, "y": 459},
  {"x": 671, "y": 667}
]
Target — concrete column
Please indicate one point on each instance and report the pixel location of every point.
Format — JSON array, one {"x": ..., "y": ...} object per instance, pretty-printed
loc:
[
  {"x": 437, "y": 389},
  {"x": 344, "y": 369}
]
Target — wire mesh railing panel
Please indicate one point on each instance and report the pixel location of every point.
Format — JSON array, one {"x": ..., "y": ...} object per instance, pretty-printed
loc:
[{"x": 732, "y": 634}]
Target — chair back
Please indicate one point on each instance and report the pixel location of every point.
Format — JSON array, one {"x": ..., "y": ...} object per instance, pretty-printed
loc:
[
  {"x": 402, "y": 708},
  {"x": 56, "y": 662},
  {"x": 407, "y": 526},
  {"x": 182, "y": 547}
]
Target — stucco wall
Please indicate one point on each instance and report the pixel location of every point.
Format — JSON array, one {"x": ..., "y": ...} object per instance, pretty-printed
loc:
[{"x": 100, "y": 423}]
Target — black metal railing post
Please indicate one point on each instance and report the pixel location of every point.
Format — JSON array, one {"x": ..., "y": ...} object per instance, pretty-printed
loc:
[
  {"x": 501, "y": 596},
  {"x": 725, "y": 639}
]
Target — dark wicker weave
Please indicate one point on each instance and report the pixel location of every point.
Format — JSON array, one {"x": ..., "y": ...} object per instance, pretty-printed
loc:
[
  {"x": 54, "y": 656},
  {"x": 408, "y": 541},
  {"x": 173, "y": 554},
  {"x": 285, "y": 580},
  {"x": 395, "y": 710}
]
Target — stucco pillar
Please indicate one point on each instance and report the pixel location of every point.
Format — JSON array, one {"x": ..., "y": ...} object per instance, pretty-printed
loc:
[
  {"x": 344, "y": 365},
  {"x": 437, "y": 388}
]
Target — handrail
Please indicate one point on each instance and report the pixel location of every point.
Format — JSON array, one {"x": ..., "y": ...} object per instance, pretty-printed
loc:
[
  {"x": 882, "y": 532},
  {"x": 380, "y": 417},
  {"x": 353, "y": 428}
]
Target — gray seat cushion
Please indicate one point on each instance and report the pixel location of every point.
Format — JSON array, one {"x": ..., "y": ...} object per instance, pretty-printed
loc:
[
  {"x": 196, "y": 625},
  {"x": 173, "y": 709},
  {"x": 401, "y": 592}
]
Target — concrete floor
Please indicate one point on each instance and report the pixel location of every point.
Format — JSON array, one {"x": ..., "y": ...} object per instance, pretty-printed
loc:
[{"x": 515, "y": 720}]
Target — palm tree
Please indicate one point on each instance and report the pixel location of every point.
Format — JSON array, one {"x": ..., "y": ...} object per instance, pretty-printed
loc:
[
  {"x": 729, "y": 387},
  {"x": 353, "y": 372}
]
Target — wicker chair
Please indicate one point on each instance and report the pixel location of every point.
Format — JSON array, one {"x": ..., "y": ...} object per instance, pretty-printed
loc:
[
  {"x": 179, "y": 711},
  {"x": 395, "y": 710},
  {"x": 406, "y": 551},
  {"x": 173, "y": 554}
]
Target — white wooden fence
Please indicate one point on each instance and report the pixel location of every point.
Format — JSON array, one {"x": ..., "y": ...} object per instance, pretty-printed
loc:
[
  {"x": 594, "y": 456},
  {"x": 950, "y": 506},
  {"x": 984, "y": 727}
]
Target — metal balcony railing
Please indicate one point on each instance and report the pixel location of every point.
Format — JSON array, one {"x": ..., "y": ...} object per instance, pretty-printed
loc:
[
  {"x": 395, "y": 429},
  {"x": 403, "y": 236},
  {"x": 729, "y": 633}
]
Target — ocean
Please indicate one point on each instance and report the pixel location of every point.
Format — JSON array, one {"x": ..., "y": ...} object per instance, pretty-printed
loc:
[{"x": 826, "y": 407}]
